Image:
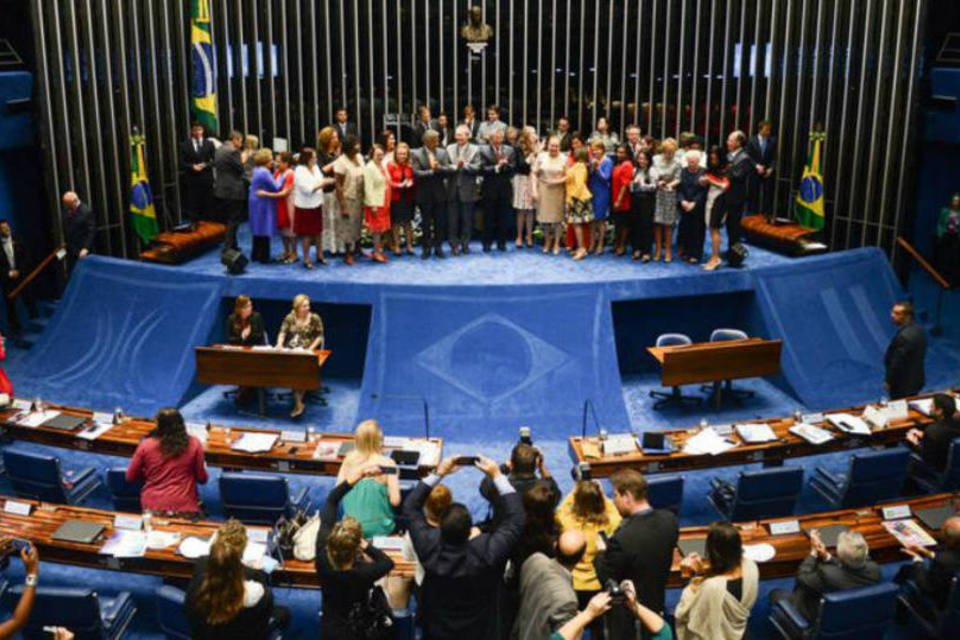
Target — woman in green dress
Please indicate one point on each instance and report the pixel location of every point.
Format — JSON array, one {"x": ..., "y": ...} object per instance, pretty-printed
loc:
[{"x": 373, "y": 499}]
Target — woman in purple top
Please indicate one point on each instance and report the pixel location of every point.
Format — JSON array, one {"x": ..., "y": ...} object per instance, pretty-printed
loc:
[{"x": 263, "y": 207}]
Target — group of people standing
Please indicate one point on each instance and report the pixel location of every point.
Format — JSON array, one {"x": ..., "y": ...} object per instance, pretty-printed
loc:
[{"x": 570, "y": 184}]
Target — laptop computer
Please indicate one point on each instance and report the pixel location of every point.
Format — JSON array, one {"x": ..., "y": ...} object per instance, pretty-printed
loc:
[
  {"x": 934, "y": 517},
  {"x": 656, "y": 442},
  {"x": 64, "y": 422},
  {"x": 78, "y": 531},
  {"x": 692, "y": 545},
  {"x": 828, "y": 534}
]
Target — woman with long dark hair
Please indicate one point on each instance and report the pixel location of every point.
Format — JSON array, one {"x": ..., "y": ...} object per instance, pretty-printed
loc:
[
  {"x": 169, "y": 463},
  {"x": 244, "y": 325}
]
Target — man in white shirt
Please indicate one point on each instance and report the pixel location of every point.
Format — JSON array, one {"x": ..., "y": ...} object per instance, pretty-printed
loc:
[{"x": 13, "y": 268}]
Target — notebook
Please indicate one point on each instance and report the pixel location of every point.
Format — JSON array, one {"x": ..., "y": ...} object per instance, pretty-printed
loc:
[
  {"x": 78, "y": 531},
  {"x": 692, "y": 545},
  {"x": 828, "y": 534},
  {"x": 64, "y": 422},
  {"x": 934, "y": 517}
]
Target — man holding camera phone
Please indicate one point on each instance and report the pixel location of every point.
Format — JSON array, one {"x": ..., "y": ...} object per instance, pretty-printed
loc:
[{"x": 525, "y": 468}]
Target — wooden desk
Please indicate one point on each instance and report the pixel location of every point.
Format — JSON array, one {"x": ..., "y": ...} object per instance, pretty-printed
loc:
[
  {"x": 122, "y": 440},
  {"x": 261, "y": 368},
  {"x": 788, "y": 446},
  {"x": 42, "y": 523}
]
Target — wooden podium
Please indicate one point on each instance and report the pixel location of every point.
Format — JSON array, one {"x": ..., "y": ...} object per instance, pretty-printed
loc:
[
  {"x": 261, "y": 367},
  {"x": 716, "y": 362}
]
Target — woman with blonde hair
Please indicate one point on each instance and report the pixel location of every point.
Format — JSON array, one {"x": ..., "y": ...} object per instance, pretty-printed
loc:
[
  {"x": 579, "y": 203},
  {"x": 301, "y": 329},
  {"x": 666, "y": 171},
  {"x": 523, "y": 202},
  {"x": 402, "y": 192},
  {"x": 586, "y": 509},
  {"x": 548, "y": 178},
  {"x": 348, "y": 565},
  {"x": 376, "y": 200},
  {"x": 226, "y": 599},
  {"x": 328, "y": 150},
  {"x": 373, "y": 499}
]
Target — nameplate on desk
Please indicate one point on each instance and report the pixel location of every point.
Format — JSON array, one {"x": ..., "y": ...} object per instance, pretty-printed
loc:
[
  {"x": 4, "y": 399},
  {"x": 22, "y": 405},
  {"x": 897, "y": 410},
  {"x": 896, "y": 512},
  {"x": 784, "y": 528},
  {"x": 128, "y": 522},
  {"x": 17, "y": 508},
  {"x": 102, "y": 417},
  {"x": 292, "y": 435},
  {"x": 811, "y": 418}
]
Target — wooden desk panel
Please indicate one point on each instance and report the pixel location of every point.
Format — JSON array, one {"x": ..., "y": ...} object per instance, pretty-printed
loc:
[
  {"x": 790, "y": 549},
  {"x": 45, "y": 519},
  {"x": 122, "y": 440},
  {"x": 249, "y": 367},
  {"x": 712, "y": 361},
  {"x": 788, "y": 446}
]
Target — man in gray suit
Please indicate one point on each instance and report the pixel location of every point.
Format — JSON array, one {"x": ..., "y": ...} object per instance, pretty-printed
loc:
[
  {"x": 230, "y": 185},
  {"x": 547, "y": 598},
  {"x": 464, "y": 189},
  {"x": 430, "y": 166}
]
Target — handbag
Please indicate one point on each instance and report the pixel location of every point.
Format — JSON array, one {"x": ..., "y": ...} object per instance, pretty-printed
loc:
[
  {"x": 372, "y": 618},
  {"x": 305, "y": 539},
  {"x": 284, "y": 532}
]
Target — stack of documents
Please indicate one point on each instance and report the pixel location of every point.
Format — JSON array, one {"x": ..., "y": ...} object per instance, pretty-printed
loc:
[
  {"x": 198, "y": 431},
  {"x": 125, "y": 543},
  {"x": 36, "y": 418},
  {"x": 707, "y": 442},
  {"x": 253, "y": 442},
  {"x": 811, "y": 433},
  {"x": 619, "y": 444},
  {"x": 755, "y": 433},
  {"x": 849, "y": 424}
]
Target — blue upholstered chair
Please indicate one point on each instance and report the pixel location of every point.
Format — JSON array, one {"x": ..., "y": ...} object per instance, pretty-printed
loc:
[
  {"x": 37, "y": 476},
  {"x": 126, "y": 495},
  {"x": 673, "y": 397},
  {"x": 872, "y": 477},
  {"x": 259, "y": 499},
  {"x": 766, "y": 493},
  {"x": 172, "y": 619},
  {"x": 725, "y": 387},
  {"x": 88, "y": 615},
  {"x": 851, "y": 614},
  {"x": 933, "y": 481},
  {"x": 665, "y": 491},
  {"x": 934, "y": 621}
]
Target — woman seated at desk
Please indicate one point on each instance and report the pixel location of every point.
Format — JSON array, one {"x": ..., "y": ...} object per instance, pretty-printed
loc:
[
  {"x": 244, "y": 325},
  {"x": 301, "y": 329}
]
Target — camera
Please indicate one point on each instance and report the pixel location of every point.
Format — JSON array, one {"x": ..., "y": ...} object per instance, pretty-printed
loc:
[
  {"x": 581, "y": 471},
  {"x": 617, "y": 596}
]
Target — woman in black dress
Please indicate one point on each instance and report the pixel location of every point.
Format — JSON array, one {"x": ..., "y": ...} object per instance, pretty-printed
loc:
[{"x": 244, "y": 325}]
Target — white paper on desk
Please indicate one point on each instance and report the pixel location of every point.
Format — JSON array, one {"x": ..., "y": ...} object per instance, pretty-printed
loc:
[
  {"x": 255, "y": 442},
  {"x": 762, "y": 552},
  {"x": 429, "y": 451},
  {"x": 193, "y": 547},
  {"x": 811, "y": 433},
  {"x": 875, "y": 416},
  {"x": 897, "y": 410},
  {"x": 198, "y": 431},
  {"x": 37, "y": 418},
  {"x": 707, "y": 442},
  {"x": 263, "y": 347},
  {"x": 388, "y": 543},
  {"x": 22, "y": 405},
  {"x": 326, "y": 450},
  {"x": 253, "y": 553},
  {"x": 162, "y": 539},
  {"x": 102, "y": 428},
  {"x": 849, "y": 424},
  {"x": 755, "y": 433},
  {"x": 125, "y": 543},
  {"x": 619, "y": 443},
  {"x": 924, "y": 406}
]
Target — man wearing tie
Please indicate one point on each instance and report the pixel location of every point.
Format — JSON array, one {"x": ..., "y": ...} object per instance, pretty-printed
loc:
[
  {"x": 463, "y": 188},
  {"x": 424, "y": 123},
  {"x": 633, "y": 141},
  {"x": 904, "y": 358},
  {"x": 14, "y": 266},
  {"x": 79, "y": 229},
  {"x": 196, "y": 164},
  {"x": 498, "y": 161},
  {"x": 739, "y": 168},
  {"x": 430, "y": 167},
  {"x": 344, "y": 127},
  {"x": 762, "y": 149}
]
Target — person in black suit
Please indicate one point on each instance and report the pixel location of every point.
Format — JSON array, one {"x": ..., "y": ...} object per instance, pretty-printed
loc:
[
  {"x": 932, "y": 570},
  {"x": 424, "y": 123},
  {"x": 904, "y": 357},
  {"x": 15, "y": 264},
  {"x": 345, "y": 128},
  {"x": 462, "y": 575},
  {"x": 762, "y": 150},
  {"x": 244, "y": 325},
  {"x": 430, "y": 168},
  {"x": 498, "y": 161},
  {"x": 933, "y": 443},
  {"x": 525, "y": 469},
  {"x": 79, "y": 229},
  {"x": 640, "y": 550},
  {"x": 470, "y": 120},
  {"x": 821, "y": 573},
  {"x": 230, "y": 186},
  {"x": 444, "y": 129},
  {"x": 563, "y": 133},
  {"x": 739, "y": 168},
  {"x": 196, "y": 164}
]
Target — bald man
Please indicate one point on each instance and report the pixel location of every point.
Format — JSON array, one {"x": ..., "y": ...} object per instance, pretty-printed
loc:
[
  {"x": 79, "y": 229},
  {"x": 933, "y": 578},
  {"x": 547, "y": 598}
]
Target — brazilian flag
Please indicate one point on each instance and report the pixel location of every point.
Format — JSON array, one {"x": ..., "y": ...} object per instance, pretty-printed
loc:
[
  {"x": 808, "y": 208},
  {"x": 204, "y": 98},
  {"x": 143, "y": 216}
]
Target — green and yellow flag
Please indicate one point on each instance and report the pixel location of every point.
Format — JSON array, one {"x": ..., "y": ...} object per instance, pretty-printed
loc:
[
  {"x": 143, "y": 216},
  {"x": 808, "y": 208},
  {"x": 204, "y": 99}
]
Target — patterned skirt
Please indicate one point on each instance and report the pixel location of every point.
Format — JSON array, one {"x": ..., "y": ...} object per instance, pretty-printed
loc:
[
  {"x": 666, "y": 207},
  {"x": 523, "y": 193},
  {"x": 578, "y": 211}
]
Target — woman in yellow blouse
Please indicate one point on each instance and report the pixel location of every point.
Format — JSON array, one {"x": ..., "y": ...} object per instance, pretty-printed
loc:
[
  {"x": 587, "y": 510},
  {"x": 579, "y": 210}
]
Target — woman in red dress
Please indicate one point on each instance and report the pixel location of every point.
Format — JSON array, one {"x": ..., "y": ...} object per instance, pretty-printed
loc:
[
  {"x": 285, "y": 206},
  {"x": 5, "y": 385}
]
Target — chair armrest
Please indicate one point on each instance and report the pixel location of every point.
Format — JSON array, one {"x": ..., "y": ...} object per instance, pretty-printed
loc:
[
  {"x": 788, "y": 612},
  {"x": 73, "y": 477},
  {"x": 822, "y": 474}
]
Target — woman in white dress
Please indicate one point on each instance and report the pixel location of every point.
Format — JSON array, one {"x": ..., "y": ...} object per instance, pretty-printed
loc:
[{"x": 548, "y": 180}]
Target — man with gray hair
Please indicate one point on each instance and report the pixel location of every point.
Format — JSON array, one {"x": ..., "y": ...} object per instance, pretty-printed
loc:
[
  {"x": 822, "y": 573},
  {"x": 463, "y": 188},
  {"x": 932, "y": 570},
  {"x": 430, "y": 167}
]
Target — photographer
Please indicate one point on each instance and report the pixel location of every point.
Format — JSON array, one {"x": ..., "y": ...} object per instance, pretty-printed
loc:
[
  {"x": 525, "y": 468},
  {"x": 654, "y": 627},
  {"x": 21, "y": 614}
]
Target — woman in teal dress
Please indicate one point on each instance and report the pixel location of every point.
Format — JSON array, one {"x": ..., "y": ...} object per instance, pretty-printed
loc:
[{"x": 373, "y": 499}]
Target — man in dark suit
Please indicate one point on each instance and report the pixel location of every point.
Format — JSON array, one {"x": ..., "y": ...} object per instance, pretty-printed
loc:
[
  {"x": 904, "y": 357},
  {"x": 739, "y": 168},
  {"x": 525, "y": 468},
  {"x": 79, "y": 229},
  {"x": 14, "y": 266},
  {"x": 345, "y": 128},
  {"x": 463, "y": 190},
  {"x": 640, "y": 550},
  {"x": 430, "y": 166},
  {"x": 933, "y": 443},
  {"x": 762, "y": 150},
  {"x": 444, "y": 129},
  {"x": 821, "y": 573},
  {"x": 424, "y": 122},
  {"x": 230, "y": 186},
  {"x": 462, "y": 575},
  {"x": 470, "y": 120},
  {"x": 563, "y": 133},
  {"x": 196, "y": 164},
  {"x": 933, "y": 569},
  {"x": 498, "y": 161}
]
